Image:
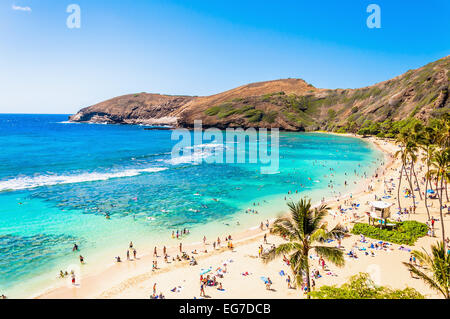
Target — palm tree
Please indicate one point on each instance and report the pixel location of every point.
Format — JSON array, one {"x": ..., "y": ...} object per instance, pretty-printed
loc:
[
  {"x": 411, "y": 153},
  {"x": 436, "y": 267},
  {"x": 427, "y": 145},
  {"x": 440, "y": 163},
  {"x": 304, "y": 228},
  {"x": 402, "y": 140},
  {"x": 444, "y": 132},
  {"x": 418, "y": 137},
  {"x": 429, "y": 151}
]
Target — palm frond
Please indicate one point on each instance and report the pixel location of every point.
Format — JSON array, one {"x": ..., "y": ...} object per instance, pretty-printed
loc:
[
  {"x": 333, "y": 254},
  {"x": 427, "y": 279}
]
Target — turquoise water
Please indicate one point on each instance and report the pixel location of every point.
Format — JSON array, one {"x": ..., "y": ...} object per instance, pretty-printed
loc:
[{"x": 58, "y": 180}]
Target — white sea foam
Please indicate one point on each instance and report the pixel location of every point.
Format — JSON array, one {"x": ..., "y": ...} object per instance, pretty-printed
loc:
[
  {"x": 206, "y": 146},
  {"x": 67, "y": 122},
  {"x": 26, "y": 182},
  {"x": 196, "y": 154},
  {"x": 194, "y": 158}
]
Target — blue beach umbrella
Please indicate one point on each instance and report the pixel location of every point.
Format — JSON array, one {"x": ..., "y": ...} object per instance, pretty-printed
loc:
[{"x": 205, "y": 271}]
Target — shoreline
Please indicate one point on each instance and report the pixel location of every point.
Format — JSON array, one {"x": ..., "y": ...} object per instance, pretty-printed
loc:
[{"x": 140, "y": 270}]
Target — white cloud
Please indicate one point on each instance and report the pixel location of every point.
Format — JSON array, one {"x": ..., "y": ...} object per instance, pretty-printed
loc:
[{"x": 17, "y": 8}]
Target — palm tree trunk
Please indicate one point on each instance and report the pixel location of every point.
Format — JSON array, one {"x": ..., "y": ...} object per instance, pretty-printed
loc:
[
  {"x": 412, "y": 190},
  {"x": 308, "y": 282},
  {"x": 417, "y": 182},
  {"x": 440, "y": 209},
  {"x": 446, "y": 192},
  {"x": 399, "y": 184},
  {"x": 426, "y": 194}
]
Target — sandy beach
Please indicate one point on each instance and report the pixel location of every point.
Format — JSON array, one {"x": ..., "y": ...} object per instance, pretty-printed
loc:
[{"x": 239, "y": 270}]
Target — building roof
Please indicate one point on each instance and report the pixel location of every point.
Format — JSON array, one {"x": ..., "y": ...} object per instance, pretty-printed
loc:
[{"x": 380, "y": 204}]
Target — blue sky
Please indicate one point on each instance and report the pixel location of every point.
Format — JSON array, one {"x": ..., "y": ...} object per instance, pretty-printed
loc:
[{"x": 199, "y": 47}]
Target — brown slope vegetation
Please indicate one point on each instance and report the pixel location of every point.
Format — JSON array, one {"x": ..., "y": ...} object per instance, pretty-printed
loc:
[{"x": 289, "y": 104}]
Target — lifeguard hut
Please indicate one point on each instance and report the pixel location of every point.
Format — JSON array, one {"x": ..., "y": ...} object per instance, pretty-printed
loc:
[{"x": 379, "y": 211}]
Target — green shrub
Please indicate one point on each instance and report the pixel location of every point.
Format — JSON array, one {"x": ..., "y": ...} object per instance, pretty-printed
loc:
[
  {"x": 361, "y": 286},
  {"x": 245, "y": 109},
  {"x": 331, "y": 114},
  {"x": 254, "y": 115},
  {"x": 407, "y": 232},
  {"x": 270, "y": 117},
  {"x": 213, "y": 111}
]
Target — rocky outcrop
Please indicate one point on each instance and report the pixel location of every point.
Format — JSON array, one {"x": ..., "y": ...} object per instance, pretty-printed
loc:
[
  {"x": 290, "y": 104},
  {"x": 142, "y": 108}
]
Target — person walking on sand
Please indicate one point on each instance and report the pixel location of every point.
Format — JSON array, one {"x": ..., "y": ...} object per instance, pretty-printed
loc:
[
  {"x": 268, "y": 283},
  {"x": 155, "y": 252},
  {"x": 81, "y": 259},
  {"x": 154, "y": 288},
  {"x": 202, "y": 290},
  {"x": 181, "y": 248},
  {"x": 165, "y": 251},
  {"x": 265, "y": 238},
  {"x": 204, "y": 240},
  {"x": 288, "y": 280},
  {"x": 134, "y": 253},
  {"x": 128, "y": 254}
]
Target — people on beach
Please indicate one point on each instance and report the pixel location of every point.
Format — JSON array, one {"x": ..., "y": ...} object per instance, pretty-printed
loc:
[
  {"x": 202, "y": 290},
  {"x": 288, "y": 280}
]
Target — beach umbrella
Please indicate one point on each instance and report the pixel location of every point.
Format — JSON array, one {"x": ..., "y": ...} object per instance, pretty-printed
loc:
[
  {"x": 205, "y": 271},
  {"x": 265, "y": 280}
]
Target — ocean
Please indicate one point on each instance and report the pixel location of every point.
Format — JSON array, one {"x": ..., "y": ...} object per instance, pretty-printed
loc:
[{"x": 59, "y": 180}]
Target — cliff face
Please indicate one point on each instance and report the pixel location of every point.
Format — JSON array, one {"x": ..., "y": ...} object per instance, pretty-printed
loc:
[
  {"x": 290, "y": 104},
  {"x": 142, "y": 108}
]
